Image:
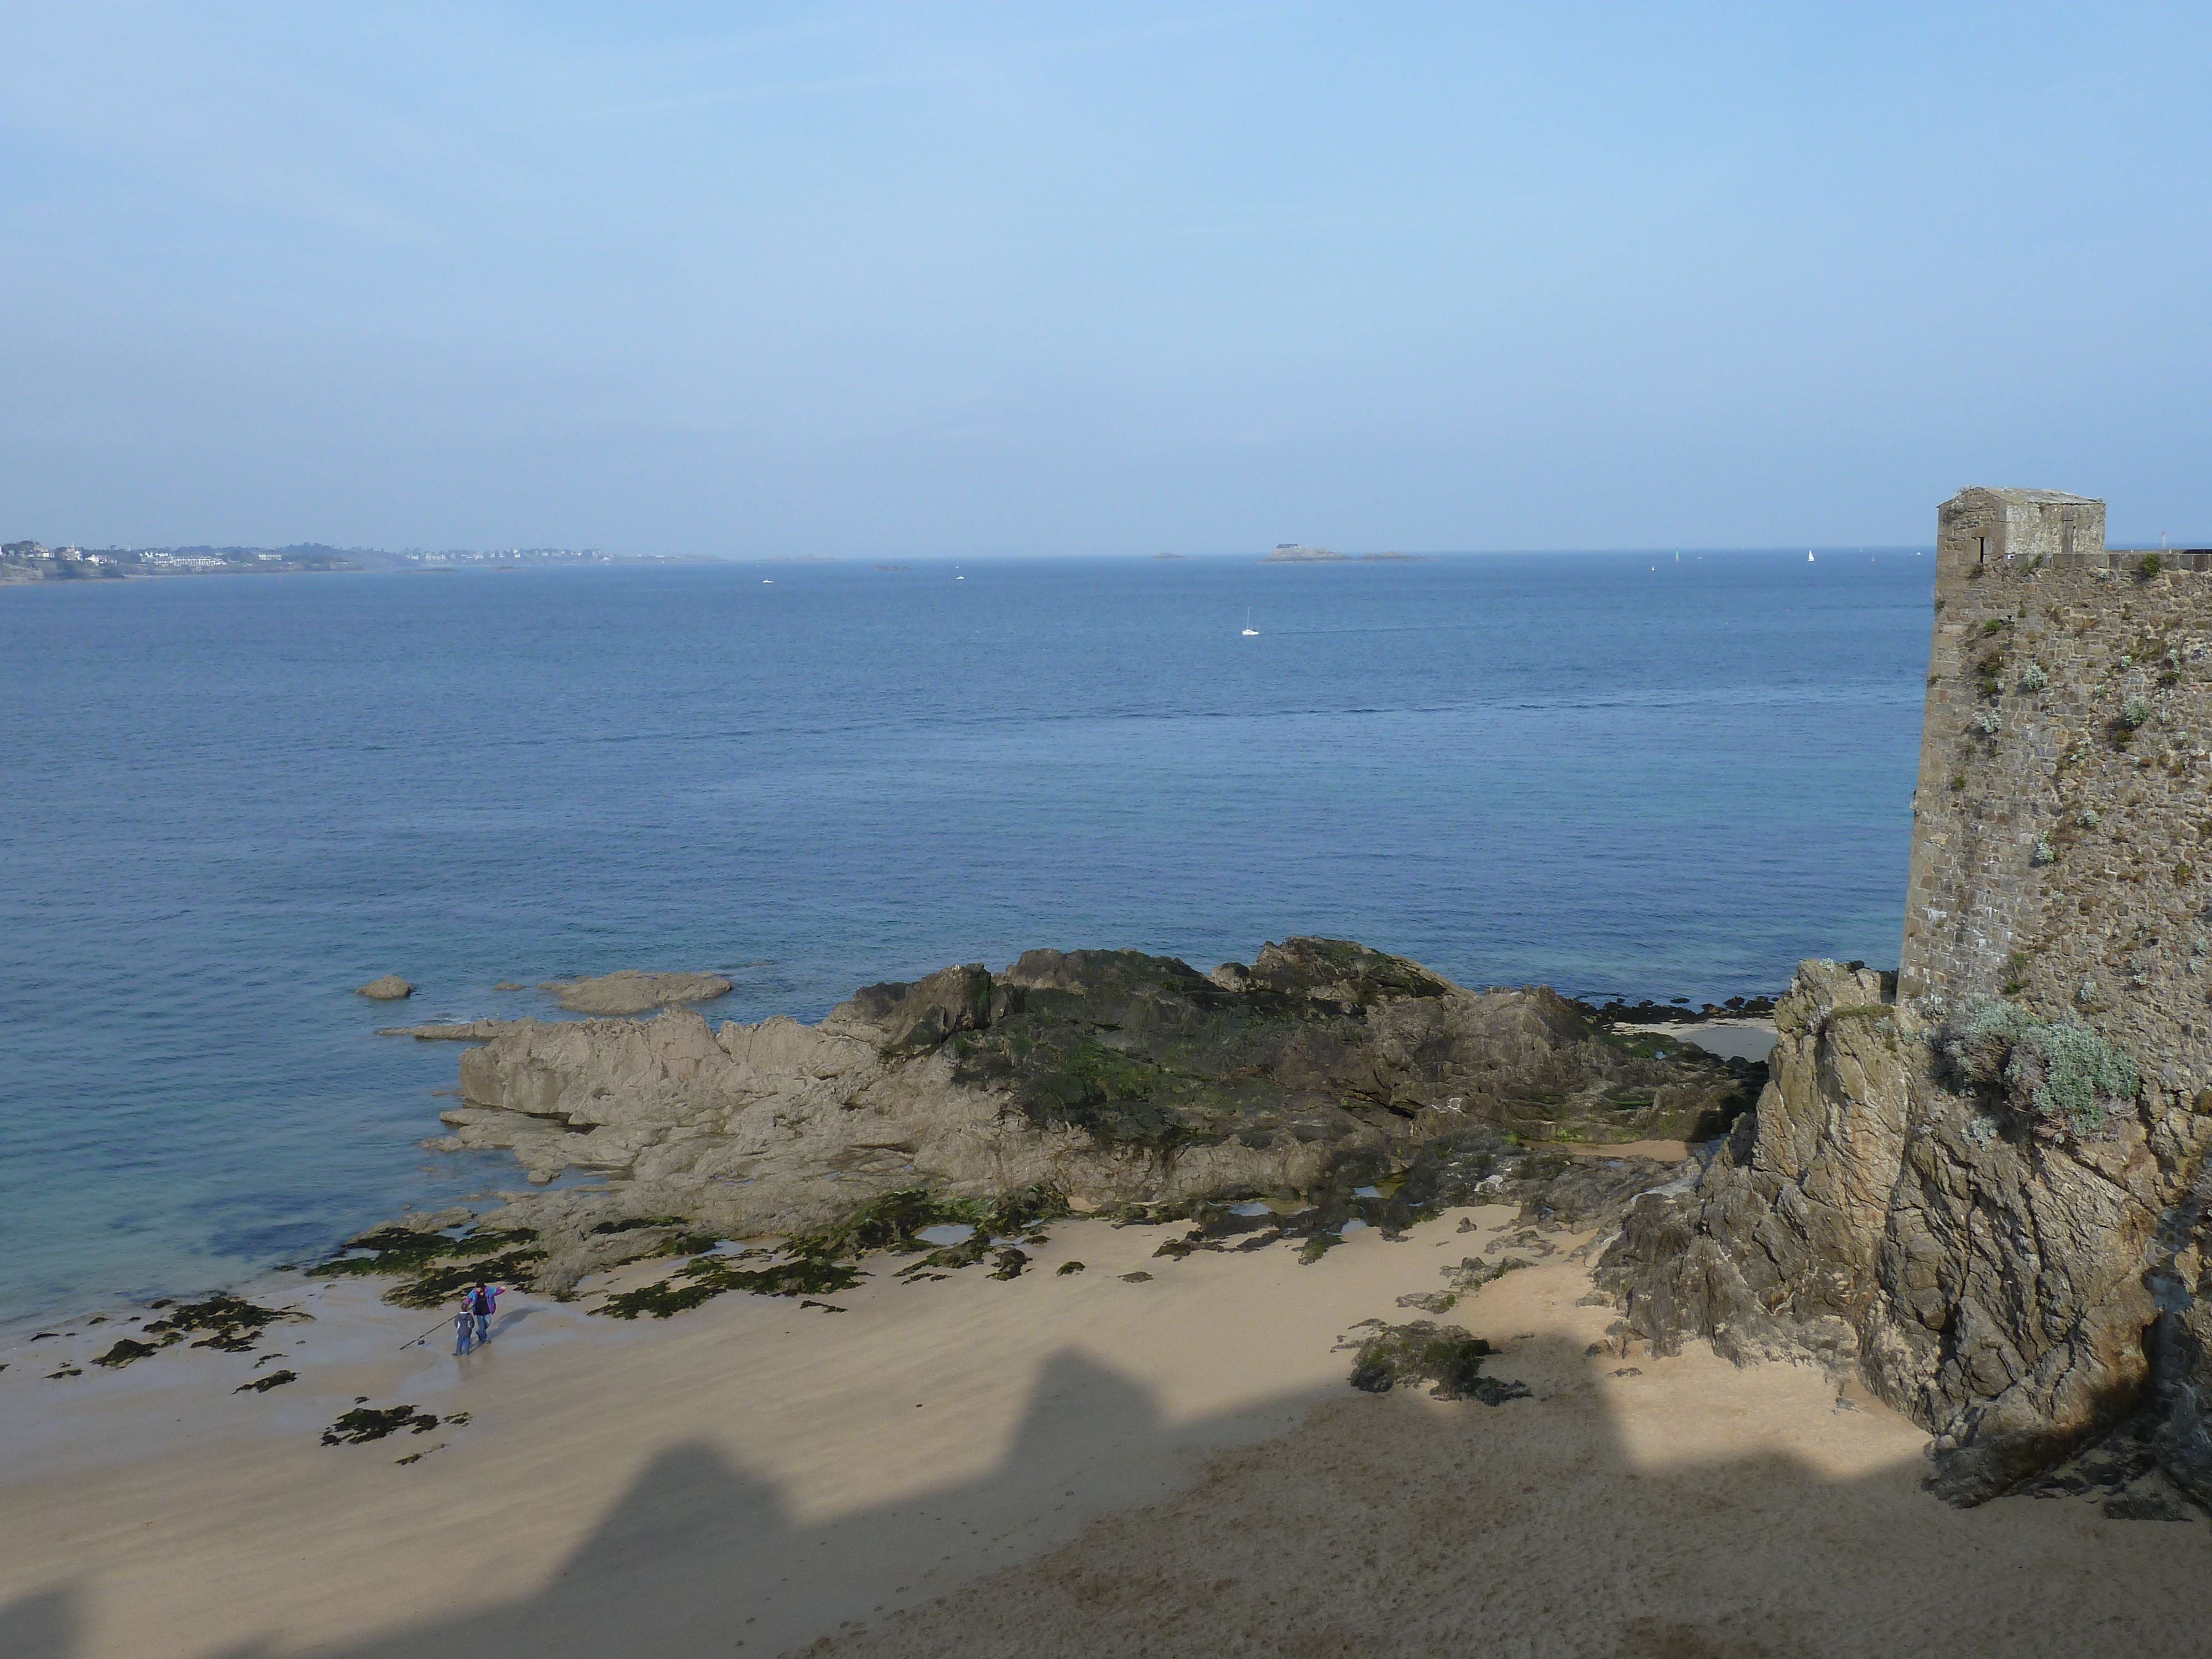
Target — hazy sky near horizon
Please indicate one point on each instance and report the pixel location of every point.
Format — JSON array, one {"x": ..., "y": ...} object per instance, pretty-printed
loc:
[{"x": 848, "y": 279}]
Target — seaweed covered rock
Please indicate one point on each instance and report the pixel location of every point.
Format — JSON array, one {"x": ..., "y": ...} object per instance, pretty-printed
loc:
[
  {"x": 434, "y": 1260},
  {"x": 364, "y": 1424},
  {"x": 827, "y": 1260},
  {"x": 222, "y": 1321},
  {"x": 1405, "y": 1356},
  {"x": 2019, "y": 1270}
]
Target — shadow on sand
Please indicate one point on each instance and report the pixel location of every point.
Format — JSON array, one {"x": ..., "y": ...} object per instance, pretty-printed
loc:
[{"x": 1380, "y": 1526}]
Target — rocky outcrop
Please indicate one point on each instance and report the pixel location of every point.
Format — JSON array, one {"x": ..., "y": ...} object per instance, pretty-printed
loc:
[
  {"x": 2018, "y": 1284},
  {"x": 1110, "y": 1076},
  {"x": 390, "y": 988},
  {"x": 629, "y": 992}
]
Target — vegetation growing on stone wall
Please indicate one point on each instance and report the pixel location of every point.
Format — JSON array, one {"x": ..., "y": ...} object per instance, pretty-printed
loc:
[
  {"x": 2135, "y": 711},
  {"x": 2151, "y": 565},
  {"x": 1989, "y": 721},
  {"x": 1988, "y": 669},
  {"x": 2045, "y": 853},
  {"x": 2057, "y": 1072},
  {"x": 2032, "y": 678}
]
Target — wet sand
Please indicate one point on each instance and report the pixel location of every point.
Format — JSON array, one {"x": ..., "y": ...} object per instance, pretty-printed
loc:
[
  {"x": 1052, "y": 1465},
  {"x": 1731, "y": 1039}
]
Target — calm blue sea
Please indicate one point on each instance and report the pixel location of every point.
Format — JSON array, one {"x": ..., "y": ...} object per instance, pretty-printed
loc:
[{"x": 224, "y": 802}]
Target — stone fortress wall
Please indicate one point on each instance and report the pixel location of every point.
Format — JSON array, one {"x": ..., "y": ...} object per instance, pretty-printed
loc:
[
  {"x": 2062, "y": 845},
  {"x": 2024, "y": 1283}
]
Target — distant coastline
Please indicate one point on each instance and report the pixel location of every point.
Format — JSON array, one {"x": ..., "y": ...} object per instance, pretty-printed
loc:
[
  {"x": 23, "y": 562},
  {"x": 26, "y": 562}
]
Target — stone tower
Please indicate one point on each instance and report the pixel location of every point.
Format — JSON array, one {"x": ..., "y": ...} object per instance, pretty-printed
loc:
[
  {"x": 1977, "y": 530},
  {"x": 2064, "y": 805}
]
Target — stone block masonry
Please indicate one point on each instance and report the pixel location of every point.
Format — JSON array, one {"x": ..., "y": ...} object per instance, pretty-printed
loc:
[{"x": 2063, "y": 825}]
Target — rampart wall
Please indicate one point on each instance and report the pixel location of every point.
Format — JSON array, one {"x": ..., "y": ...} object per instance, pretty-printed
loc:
[{"x": 2062, "y": 847}]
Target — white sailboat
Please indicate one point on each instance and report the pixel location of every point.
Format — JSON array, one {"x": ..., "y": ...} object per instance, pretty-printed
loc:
[{"x": 1250, "y": 632}]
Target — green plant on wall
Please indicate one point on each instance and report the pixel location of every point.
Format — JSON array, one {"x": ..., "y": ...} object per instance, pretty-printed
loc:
[
  {"x": 2032, "y": 678},
  {"x": 2134, "y": 712},
  {"x": 2151, "y": 565},
  {"x": 1989, "y": 721},
  {"x": 2056, "y": 1071}
]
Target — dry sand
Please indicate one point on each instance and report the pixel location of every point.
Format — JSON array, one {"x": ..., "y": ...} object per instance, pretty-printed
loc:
[{"x": 1054, "y": 1465}]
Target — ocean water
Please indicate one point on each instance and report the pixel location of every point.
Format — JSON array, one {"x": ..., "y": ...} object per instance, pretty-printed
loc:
[{"x": 224, "y": 802}]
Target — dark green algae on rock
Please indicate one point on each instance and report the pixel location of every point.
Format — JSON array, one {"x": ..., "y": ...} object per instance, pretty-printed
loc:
[
  {"x": 1405, "y": 1356},
  {"x": 228, "y": 1323},
  {"x": 826, "y": 1261},
  {"x": 1320, "y": 1040},
  {"x": 362, "y": 1425},
  {"x": 1552, "y": 1192},
  {"x": 434, "y": 1267}
]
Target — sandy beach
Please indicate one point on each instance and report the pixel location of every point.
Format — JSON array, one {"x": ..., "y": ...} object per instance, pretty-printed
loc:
[{"x": 1060, "y": 1463}]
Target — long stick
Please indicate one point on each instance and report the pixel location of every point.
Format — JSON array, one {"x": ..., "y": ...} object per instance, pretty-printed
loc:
[{"x": 439, "y": 1325}]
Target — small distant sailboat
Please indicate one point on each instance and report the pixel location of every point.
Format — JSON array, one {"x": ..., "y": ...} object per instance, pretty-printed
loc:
[
  {"x": 1250, "y": 632},
  {"x": 1809, "y": 557}
]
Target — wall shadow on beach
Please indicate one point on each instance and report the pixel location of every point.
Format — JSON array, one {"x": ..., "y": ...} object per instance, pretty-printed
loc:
[
  {"x": 1382, "y": 1526},
  {"x": 44, "y": 1625},
  {"x": 1393, "y": 1528},
  {"x": 700, "y": 1556}
]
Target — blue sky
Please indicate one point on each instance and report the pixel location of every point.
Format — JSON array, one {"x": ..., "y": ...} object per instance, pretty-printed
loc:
[{"x": 852, "y": 280}]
